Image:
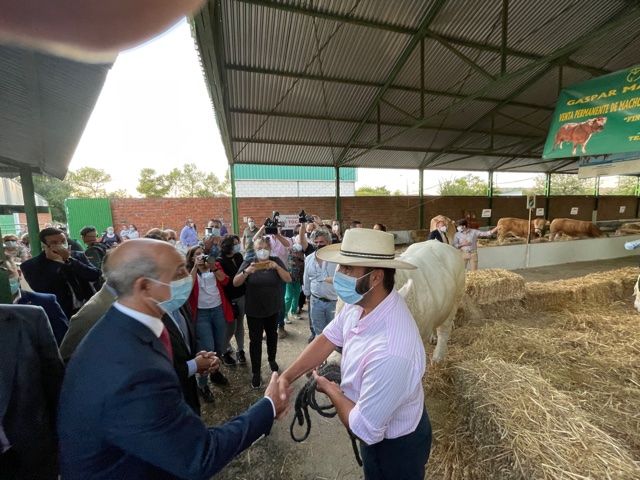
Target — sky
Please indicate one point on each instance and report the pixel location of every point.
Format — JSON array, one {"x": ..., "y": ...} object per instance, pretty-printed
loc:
[{"x": 154, "y": 112}]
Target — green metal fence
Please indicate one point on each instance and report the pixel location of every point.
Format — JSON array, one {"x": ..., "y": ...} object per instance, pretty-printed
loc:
[{"x": 87, "y": 211}]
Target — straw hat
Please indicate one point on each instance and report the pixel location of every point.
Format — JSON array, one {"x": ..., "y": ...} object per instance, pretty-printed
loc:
[{"x": 364, "y": 247}]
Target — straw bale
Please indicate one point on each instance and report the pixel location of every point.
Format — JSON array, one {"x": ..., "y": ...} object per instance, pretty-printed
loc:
[
  {"x": 525, "y": 428},
  {"x": 489, "y": 286},
  {"x": 600, "y": 288}
]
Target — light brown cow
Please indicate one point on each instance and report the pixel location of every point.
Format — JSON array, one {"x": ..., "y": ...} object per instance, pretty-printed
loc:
[
  {"x": 451, "y": 225},
  {"x": 519, "y": 227},
  {"x": 579, "y": 133},
  {"x": 573, "y": 228}
]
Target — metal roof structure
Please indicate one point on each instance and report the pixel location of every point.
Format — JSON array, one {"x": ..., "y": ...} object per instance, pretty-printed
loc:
[
  {"x": 423, "y": 84},
  {"x": 45, "y": 103}
]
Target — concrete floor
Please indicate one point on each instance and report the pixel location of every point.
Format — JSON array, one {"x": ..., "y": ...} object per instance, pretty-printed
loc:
[{"x": 578, "y": 269}]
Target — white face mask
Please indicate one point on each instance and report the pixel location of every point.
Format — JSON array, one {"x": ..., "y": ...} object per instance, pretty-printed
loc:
[
  {"x": 297, "y": 247},
  {"x": 252, "y": 225},
  {"x": 443, "y": 229},
  {"x": 262, "y": 254},
  {"x": 460, "y": 228}
]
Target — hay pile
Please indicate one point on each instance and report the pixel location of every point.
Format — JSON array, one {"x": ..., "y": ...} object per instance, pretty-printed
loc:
[
  {"x": 631, "y": 228},
  {"x": 525, "y": 428},
  {"x": 596, "y": 289},
  {"x": 494, "y": 285}
]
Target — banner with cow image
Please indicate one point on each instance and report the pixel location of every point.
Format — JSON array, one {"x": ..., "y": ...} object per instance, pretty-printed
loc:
[{"x": 597, "y": 117}]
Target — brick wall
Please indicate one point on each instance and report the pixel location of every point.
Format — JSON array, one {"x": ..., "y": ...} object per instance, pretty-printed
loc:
[
  {"x": 397, "y": 213},
  {"x": 273, "y": 188},
  {"x": 43, "y": 219}
]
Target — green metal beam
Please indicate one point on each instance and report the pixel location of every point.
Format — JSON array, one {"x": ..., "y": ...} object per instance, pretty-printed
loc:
[
  {"x": 547, "y": 194},
  {"x": 462, "y": 56},
  {"x": 353, "y": 20},
  {"x": 398, "y": 65},
  {"x": 421, "y": 221},
  {"x": 567, "y": 163},
  {"x": 29, "y": 199},
  {"x": 547, "y": 62},
  {"x": 338, "y": 204},
  {"x": 490, "y": 192},
  {"x": 365, "y": 83},
  {"x": 5, "y": 289},
  {"x": 234, "y": 200},
  {"x": 384, "y": 147},
  {"x": 305, "y": 116}
]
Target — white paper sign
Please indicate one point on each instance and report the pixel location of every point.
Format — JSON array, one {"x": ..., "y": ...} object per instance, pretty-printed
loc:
[
  {"x": 622, "y": 208},
  {"x": 574, "y": 210},
  {"x": 539, "y": 212},
  {"x": 290, "y": 221},
  {"x": 486, "y": 212}
]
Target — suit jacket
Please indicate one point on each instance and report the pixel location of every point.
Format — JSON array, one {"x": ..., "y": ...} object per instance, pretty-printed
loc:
[
  {"x": 85, "y": 319},
  {"x": 183, "y": 352},
  {"x": 57, "y": 319},
  {"x": 49, "y": 276},
  {"x": 30, "y": 378},
  {"x": 437, "y": 235},
  {"x": 133, "y": 422}
]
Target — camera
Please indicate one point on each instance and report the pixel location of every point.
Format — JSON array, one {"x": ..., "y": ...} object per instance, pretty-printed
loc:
[
  {"x": 304, "y": 218},
  {"x": 272, "y": 224}
]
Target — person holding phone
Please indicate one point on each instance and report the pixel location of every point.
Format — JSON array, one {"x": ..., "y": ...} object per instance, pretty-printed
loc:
[
  {"x": 211, "y": 310},
  {"x": 264, "y": 302}
]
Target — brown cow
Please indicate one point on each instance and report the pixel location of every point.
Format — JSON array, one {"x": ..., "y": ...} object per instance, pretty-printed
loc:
[
  {"x": 572, "y": 228},
  {"x": 519, "y": 227},
  {"x": 579, "y": 133}
]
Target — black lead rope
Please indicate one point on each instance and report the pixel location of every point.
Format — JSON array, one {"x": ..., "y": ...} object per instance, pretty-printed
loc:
[{"x": 307, "y": 399}]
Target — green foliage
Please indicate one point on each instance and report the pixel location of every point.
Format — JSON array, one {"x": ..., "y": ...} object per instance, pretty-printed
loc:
[
  {"x": 467, "y": 185},
  {"x": 185, "y": 183},
  {"x": 367, "y": 191},
  {"x": 565, "y": 184},
  {"x": 55, "y": 192},
  {"x": 88, "y": 182},
  {"x": 626, "y": 185}
]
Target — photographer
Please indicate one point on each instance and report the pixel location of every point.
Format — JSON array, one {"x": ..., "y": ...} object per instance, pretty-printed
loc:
[
  {"x": 211, "y": 310},
  {"x": 264, "y": 280}
]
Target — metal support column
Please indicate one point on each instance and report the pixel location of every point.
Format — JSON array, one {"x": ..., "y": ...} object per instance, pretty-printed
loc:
[
  {"x": 338, "y": 202},
  {"x": 29, "y": 197},
  {"x": 421, "y": 220},
  {"x": 596, "y": 193},
  {"x": 637, "y": 196},
  {"x": 5, "y": 290},
  {"x": 547, "y": 194},
  {"x": 490, "y": 194},
  {"x": 234, "y": 201}
]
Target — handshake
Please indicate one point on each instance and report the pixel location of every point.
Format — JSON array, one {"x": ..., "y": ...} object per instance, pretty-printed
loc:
[{"x": 207, "y": 362}]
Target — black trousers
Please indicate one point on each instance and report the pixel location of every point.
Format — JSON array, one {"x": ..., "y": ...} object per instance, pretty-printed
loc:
[
  {"x": 402, "y": 458},
  {"x": 256, "y": 325}
]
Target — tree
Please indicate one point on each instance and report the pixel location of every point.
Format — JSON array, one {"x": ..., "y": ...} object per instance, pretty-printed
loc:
[
  {"x": 626, "y": 186},
  {"x": 467, "y": 185},
  {"x": 55, "y": 191},
  {"x": 565, "y": 184},
  {"x": 367, "y": 191},
  {"x": 152, "y": 185},
  {"x": 88, "y": 182},
  {"x": 120, "y": 193}
]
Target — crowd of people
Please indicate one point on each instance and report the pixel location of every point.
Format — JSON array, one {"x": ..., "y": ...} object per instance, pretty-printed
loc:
[{"x": 193, "y": 293}]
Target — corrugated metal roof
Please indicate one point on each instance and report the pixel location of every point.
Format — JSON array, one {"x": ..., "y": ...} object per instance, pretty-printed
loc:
[
  {"x": 45, "y": 103},
  {"x": 335, "y": 82}
]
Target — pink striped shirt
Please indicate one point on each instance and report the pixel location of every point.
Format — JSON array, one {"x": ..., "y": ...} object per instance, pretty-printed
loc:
[{"x": 383, "y": 362}]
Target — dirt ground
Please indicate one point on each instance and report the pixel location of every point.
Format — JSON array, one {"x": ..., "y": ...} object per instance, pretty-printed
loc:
[{"x": 327, "y": 453}]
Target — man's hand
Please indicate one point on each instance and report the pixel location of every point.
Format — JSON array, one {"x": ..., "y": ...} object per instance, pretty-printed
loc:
[
  {"x": 325, "y": 386},
  {"x": 280, "y": 399},
  {"x": 56, "y": 253},
  {"x": 329, "y": 280},
  {"x": 206, "y": 362}
]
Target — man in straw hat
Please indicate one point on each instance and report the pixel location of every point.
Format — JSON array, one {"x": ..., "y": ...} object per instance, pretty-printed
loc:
[{"x": 380, "y": 398}]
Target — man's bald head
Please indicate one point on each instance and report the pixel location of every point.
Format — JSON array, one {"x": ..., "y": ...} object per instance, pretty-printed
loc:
[{"x": 141, "y": 258}]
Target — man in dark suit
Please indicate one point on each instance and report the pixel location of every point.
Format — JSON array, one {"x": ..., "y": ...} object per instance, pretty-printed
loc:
[
  {"x": 66, "y": 274},
  {"x": 440, "y": 233},
  {"x": 134, "y": 421},
  {"x": 30, "y": 378}
]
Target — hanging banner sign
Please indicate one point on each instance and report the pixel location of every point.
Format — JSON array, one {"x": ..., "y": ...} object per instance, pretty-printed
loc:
[
  {"x": 615, "y": 164},
  {"x": 597, "y": 117}
]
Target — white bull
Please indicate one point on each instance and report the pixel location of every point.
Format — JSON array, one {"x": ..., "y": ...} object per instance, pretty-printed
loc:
[
  {"x": 433, "y": 291},
  {"x": 636, "y": 293}
]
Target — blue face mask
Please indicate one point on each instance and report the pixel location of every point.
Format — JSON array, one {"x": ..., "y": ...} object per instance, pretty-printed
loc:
[
  {"x": 180, "y": 291},
  {"x": 345, "y": 287},
  {"x": 14, "y": 284},
  {"x": 215, "y": 232},
  {"x": 214, "y": 251},
  {"x": 236, "y": 248}
]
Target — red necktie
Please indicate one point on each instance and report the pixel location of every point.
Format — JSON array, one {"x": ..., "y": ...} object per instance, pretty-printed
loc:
[{"x": 164, "y": 339}]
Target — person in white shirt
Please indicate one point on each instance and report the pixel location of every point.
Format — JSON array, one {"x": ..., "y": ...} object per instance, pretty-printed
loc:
[
  {"x": 380, "y": 398},
  {"x": 466, "y": 240}
]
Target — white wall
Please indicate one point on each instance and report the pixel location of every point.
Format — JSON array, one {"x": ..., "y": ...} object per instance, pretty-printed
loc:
[
  {"x": 512, "y": 257},
  {"x": 272, "y": 188}
]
